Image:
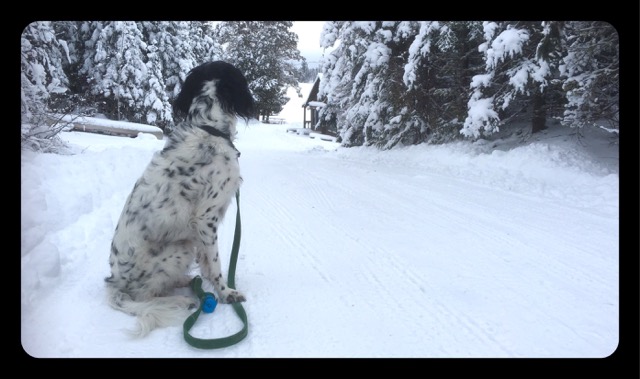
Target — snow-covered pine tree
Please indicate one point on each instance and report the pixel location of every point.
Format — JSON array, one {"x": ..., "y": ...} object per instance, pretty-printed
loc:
[
  {"x": 114, "y": 64},
  {"x": 514, "y": 79},
  {"x": 441, "y": 61},
  {"x": 265, "y": 51},
  {"x": 41, "y": 61},
  {"x": 176, "y": 59},
  {"x": 183, "y": 46},
  {"x": 205, "y": 48},
  {"x": 344, "y": 78},
  {"x": 133, "y": 70},
  {"x": 395, "y": 115},
  {"x": 368, "y": 99},
  {"x": 336, "y": 71},
  {"x": 390, "y": 83},
  {"x": 158, "y": 109},
  {"x": 73, "y": 100},
  {"x": 590, "y": 74},
  {"x": 176, "y": 47},
  {"x": 303, "y": 74}
]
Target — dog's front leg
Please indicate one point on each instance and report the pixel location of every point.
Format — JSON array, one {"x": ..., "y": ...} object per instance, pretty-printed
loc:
[{"x": 211, "y": 266}]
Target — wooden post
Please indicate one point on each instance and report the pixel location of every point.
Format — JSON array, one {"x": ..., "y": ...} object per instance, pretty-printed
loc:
[{"x": 304, "y": 116}]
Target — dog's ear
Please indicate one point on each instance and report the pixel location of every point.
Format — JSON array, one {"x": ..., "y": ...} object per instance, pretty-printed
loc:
[
  {"x": 233, "y": 91},
  {"x": 191, "y": 87}
]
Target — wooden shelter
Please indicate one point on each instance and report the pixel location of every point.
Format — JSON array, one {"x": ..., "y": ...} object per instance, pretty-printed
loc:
[{"x": 313, "y": 105}]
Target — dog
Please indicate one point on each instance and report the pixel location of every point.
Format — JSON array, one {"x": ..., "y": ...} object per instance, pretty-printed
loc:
[{"x": 170, "y": 218}]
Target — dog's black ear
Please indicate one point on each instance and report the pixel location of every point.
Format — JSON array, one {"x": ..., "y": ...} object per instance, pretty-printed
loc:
[
  {"x": 191, "y": 88},
  {"x": 233, "y": 91}
]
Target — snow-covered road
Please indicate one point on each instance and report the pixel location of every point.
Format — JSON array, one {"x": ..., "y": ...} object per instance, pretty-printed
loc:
[
  {"x": 388, "y": 260},
  {"x": 426, "y": 251}
]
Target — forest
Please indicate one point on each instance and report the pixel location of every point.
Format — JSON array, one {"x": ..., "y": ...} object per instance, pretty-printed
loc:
[{"x": 383, "y": 83}]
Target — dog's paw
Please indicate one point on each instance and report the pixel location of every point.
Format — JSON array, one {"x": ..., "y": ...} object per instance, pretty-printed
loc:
[{"x": 231, "y": 296}]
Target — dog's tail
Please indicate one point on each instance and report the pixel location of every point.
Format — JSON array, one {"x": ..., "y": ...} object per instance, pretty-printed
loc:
[{"x": 155, "y": 313}]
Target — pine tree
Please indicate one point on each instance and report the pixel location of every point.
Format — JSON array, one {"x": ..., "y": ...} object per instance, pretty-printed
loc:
[
  {"x": 367, "y": 99},
  {"x": 134, "y": 70},
  {"x": 441, "y": 61},
  {"x": 172, "y": 51},
  {"x": 590, "y": 74},
  {"x": 390, "y": 83},
  {"x": 158, "y": 108},
  {"x": 362, "y": 82},
  {"x": 331, "y": 88},
  {"x": 205, "y": 48},
  {"x": 41, "y": 78},
  {"x": 514, "y": 80},
  {"x": 265, "y": 51},
  {"x": 339, "y": 71},
  {"x": 114, "y": 64},
  {"x": 302, "y": 75},
  {"x": 41, "y": 64}
]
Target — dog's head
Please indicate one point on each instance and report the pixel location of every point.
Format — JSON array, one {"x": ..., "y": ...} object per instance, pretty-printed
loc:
[{"x": 215, "y": 83}]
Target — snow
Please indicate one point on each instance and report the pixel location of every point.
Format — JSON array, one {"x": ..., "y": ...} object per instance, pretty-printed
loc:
[
  {"x": 309, "y": 40},
  {"x": 470, "y": 249},
  {"x": 508, "y": 43},
  {"x": 144, "y": 128},
  {"x": 317, "y": 104}
]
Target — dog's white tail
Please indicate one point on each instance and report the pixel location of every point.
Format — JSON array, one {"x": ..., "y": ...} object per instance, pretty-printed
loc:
[{"x": 155, "y": 313}]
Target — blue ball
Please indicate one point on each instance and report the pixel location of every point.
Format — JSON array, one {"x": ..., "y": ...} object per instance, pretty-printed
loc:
[{"x": 209, "y": 303}]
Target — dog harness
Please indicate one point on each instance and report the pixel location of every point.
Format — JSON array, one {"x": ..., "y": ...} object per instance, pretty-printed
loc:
[{"x": 208, "y": 301}]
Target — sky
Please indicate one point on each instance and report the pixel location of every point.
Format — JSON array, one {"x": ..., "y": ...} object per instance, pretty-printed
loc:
[
  {"x": 471, "y": 249},
  {"x": 309, "y": 40}
]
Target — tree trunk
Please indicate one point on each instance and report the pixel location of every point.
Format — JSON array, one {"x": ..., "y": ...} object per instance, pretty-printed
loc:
[{"x": 539, "y": 117}]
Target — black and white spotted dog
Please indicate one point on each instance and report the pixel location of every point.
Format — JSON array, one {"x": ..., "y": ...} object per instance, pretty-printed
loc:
[{"x": 170, "y": 218}]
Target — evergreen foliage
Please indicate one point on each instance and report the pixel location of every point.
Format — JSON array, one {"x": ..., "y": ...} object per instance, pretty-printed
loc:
[
  {"x": 384, "y": 83},
  {"x": 41, "y": 78},
  {"x": 590, "y": 74},
  {"x": 306, "y": 74},
  {"x": 266, "y": 52},
  {"x": 402, "y": 83}
]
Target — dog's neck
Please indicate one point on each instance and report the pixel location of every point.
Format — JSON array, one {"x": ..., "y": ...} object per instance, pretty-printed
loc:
[
  {"x": 217, "y": 133},
  {"x": 206, "y": 111}
]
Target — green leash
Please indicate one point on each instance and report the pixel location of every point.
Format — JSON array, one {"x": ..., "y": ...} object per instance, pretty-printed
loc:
[{"x": 208, "y": 302}]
